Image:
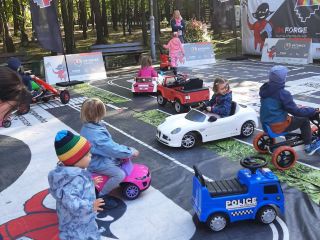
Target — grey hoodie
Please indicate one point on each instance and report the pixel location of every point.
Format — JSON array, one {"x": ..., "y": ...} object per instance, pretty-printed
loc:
[{"x": 73, "y": 189}]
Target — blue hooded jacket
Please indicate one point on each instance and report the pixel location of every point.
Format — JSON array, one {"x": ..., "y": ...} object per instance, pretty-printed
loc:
[
  {"x": 221, "y": 104},
  {"x": 73, "y": 189},
  {"x": 276, "y": 102},
  {"x": 103, "y": 149}
]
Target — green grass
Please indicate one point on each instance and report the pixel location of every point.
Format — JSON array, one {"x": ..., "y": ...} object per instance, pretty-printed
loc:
[
  {"x": 90, "y": 92},
  {"x": 304, "y": 178}
]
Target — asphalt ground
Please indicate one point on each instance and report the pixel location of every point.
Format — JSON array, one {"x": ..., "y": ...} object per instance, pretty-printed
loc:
[{"x": 164, "y": 210}]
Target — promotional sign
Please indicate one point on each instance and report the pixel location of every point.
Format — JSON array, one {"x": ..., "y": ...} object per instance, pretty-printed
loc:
[
  {"x": 55, "y": 68},
  {"x": 81, "y": 67},
  {"x": 287, "y": 50},
  {"x": 86, "y": 66},
  {"x": 263, "y": 19},
  {"x": 197, "y": 54},
  {"x": 45, "y": 24}
]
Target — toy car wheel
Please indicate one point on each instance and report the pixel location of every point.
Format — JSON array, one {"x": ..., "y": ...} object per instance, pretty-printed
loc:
[
  {"x": 6, "y": 123},
  {"x": 64, "y": 96},
  {"x": 247, "y": 129},
  {"x": 266, "y": 215},
  {"x": 131, "y": 191},
  {"x": 261, "y": 142},
  {"x": 284, "y": 157},
  {"x": 178, "y": 107},
  {"x": 217, "y": 222},
  {"x": 161, "y": 100},
  {"x": 45, "y": 99},
  {"x": 189, "y": 140},
  {"x": 23, "y": 109}
]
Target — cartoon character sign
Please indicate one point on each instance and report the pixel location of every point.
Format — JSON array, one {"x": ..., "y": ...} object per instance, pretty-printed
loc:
[
  {"x": 272, "y": 52},
  {"x": 41, "y": 222},
  {"x": 262, "y": 28}
]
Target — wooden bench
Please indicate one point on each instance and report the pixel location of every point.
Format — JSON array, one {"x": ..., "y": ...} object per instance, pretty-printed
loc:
[{"x": 129, "y": 48}]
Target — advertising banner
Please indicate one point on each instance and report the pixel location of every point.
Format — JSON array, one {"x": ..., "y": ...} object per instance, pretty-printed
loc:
[
  {"x": 197, "y": 54},
  {"x": 287, "y": 50},
  {"x": 81, "y": 67},
  {"x": 56, "y": 70},
  {"x": 263, "y": 19},
  {"x": 86, "y": 66},
  {"x": 45, "y": 24}
]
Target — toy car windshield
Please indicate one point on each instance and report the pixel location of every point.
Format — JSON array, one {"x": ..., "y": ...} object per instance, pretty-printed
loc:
[
  {"x": 195, "y": 116},
  {"x": 139, "y": 79}
]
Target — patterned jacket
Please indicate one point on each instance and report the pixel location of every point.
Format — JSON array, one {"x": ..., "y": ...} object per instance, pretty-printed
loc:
[{"x": 73, "y": 189}]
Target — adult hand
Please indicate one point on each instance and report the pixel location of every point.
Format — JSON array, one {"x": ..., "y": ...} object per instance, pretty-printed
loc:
[{"x": 97, "y": 204}]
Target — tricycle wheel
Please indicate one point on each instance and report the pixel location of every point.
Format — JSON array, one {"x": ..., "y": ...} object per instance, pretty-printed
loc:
[
  {"x": 284, "y": 157},
  {"x": 64, "y": 96},
  {"x": 178, "y": 107},
  {"x": 217, "y": 222},
  {"x": 266, "y": 215},
  {"x": 23, "y": 109},
  {"x": 131, "y": 191},
  {"x": 6, "y": 123},
  {"x": 189, "y": 140},
  {"x": 247, "y": 129},
  {"x": 161, "y": 100},
  {"x": 261, "y": 142}
]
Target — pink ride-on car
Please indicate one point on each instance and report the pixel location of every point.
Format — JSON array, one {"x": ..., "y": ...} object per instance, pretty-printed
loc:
[
  {"x": 138, "y": 179},
  {"x": 144, "y": 85}
]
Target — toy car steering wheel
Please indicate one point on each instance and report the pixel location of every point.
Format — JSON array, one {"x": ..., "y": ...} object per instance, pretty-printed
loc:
[{"x": 253, "y": 163}]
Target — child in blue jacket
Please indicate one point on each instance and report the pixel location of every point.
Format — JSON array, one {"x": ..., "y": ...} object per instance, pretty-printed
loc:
[
  {"x": 221, "y": 101},
  {"x": 276, "y": 105},
  {"x": 106, "y": 154},
  {"x": 72, "y": 187}
]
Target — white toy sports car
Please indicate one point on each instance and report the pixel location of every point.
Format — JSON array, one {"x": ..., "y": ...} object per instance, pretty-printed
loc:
[{"x": 186, "y": 130}]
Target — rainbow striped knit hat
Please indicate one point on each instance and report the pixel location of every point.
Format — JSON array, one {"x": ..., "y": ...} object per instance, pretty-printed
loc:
[{"x": 70, "y": 148}]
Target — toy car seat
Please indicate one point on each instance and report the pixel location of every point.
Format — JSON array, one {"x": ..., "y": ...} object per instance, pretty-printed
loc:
[
  {"x": 272, "y": 134},
  {"x": 233, "y": 108}
]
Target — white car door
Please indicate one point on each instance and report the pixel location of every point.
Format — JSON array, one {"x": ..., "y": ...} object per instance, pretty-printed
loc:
[{"x": 221, "y": 128}]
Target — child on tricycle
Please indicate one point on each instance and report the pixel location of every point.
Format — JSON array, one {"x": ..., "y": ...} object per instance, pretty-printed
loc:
[{"x": 276, "y": 105}]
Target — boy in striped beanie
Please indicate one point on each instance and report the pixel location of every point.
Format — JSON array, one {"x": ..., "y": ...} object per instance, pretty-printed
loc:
[{"x": 72, "y": 187}]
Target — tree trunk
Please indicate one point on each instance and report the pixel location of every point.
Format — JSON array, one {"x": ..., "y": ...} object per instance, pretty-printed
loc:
[
  {"x": 167, "y": 10},
  {"x": 83, "y": 17},
  {"x": 8, "y": 45},
  {"x": 136, "y": 13},
  {"x": 114, "y": 14},
  {"x": 156, "y": 20},
  {"x": 144, "y": 23},
  {"x": 105, "y": 19},
  {"x": 16, "y": 14},
  {"x": 123, "y": 16},
  {"x": 97, "y": 16},
  {"x": 67, "y": 18},
  {"x": 23, "y": 37},
  {"x": 215, "y": 23}
]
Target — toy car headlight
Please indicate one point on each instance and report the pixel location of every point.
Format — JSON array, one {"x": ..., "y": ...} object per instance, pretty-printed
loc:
[{"x": 175, "y": 131}]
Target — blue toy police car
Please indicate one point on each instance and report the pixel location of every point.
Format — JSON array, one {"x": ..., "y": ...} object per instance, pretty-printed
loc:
[{"x": 255, "y": 194}]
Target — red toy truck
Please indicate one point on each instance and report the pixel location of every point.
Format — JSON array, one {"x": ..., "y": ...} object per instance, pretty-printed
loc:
[{"x": 182, "y": 92}]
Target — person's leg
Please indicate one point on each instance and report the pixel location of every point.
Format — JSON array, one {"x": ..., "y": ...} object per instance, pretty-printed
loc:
[
  {"x": 306, "y": 134},
  {"x": 115, "y": 174},
  {"x": 303, "y": 124}
]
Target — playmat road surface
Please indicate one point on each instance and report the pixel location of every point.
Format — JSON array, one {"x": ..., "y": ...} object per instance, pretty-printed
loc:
[{"x": 164, "y": 211}]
